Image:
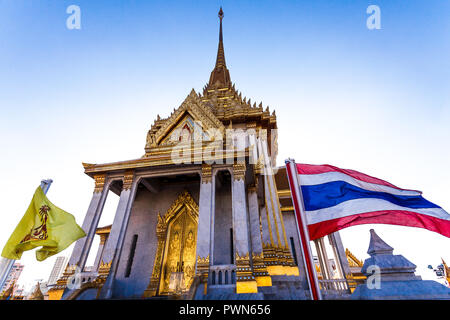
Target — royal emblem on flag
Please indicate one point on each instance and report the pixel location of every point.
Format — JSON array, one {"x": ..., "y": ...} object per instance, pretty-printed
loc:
[{"x": 40, "y": 232}]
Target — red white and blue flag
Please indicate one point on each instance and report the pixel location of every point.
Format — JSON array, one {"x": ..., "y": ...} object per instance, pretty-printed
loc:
[
  {"x": 336, "y": 198},
  {"x": 327, "y": 199}
]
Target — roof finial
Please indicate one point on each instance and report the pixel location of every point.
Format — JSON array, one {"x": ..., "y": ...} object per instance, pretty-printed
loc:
[
  {"x": 221, "y": 14},
  {"x": 220, "y": 75}
]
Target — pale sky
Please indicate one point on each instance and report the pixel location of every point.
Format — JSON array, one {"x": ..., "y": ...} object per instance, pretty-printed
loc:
[{"x": 376, "y": 101}]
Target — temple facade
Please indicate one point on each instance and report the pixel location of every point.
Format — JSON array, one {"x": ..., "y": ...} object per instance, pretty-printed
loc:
[{"x": 203, "y": 214}]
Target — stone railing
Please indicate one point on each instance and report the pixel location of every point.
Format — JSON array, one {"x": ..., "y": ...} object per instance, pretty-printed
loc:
[
  {"x": 224, "y": 274},
  {"x": 334, "y": 286},
  {"x": 85, "y": 277}
]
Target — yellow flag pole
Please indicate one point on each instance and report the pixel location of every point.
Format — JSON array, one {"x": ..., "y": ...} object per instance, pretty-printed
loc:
[{"x": 7, "y": 264}]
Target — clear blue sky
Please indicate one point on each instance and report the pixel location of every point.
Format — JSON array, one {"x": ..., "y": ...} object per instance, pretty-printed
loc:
[{"x": 377, "y": 101}]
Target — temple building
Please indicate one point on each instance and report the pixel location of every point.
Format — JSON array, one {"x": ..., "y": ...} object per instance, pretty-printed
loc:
[{"x": 203, "y": 214}]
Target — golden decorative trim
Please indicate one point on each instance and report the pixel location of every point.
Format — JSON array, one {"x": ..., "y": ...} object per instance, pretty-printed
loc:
[
  {"x": 103, "y": 238},
  {"x": 99, "y": 182},
  {"x": 259, "y": 166},
  {"x": 103, "y": 233},
  {"x": 203, "y": 268},
  {"x": 243, "y": 269},
  {"x": 247, "y": 286},
  {"x": 273, "y": 262},
  {"x": 128, "y": 179},
  {"x": 352, "y": 260},
  {"x": 206, "y": 173},
  {"x": 285, "y": 193},
  {"x": 355, "y": 280},
  {"x": 263, "y": 281},
  {"x": 185, "y": 199},
  {"x": 251, "y": 125},
  {"x": 260, "y": 270},
  {"x": 239, "y": 171},
  {"x": 103, "y": 269},
  {"x": 152, "y": 287},
  {"x": 61, "y": 283},
  {"x": 87, "y": 165}
]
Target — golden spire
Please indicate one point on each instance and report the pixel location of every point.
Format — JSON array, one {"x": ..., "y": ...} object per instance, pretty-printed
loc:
[
  {"x": 220, "y": 76},
  {"x": 8, "y": 292},
  {"x": 37, "y": 293},
  {"x": 220, "y": 61}
]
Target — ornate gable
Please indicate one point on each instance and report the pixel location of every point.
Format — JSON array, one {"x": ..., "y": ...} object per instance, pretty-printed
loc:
[
  {"x": 191, "y": 116},
  {"x": 352, "y": 260}
]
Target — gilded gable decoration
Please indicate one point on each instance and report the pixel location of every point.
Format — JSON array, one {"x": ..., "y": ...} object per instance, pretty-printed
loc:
[
  {"x": 191, "y": 109},
  {"x": 352, "y": 260}
]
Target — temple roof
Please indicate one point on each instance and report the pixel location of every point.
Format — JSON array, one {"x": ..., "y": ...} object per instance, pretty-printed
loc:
[
  {"x": 219, "y": 106},
  {"x": 220, "y": 98}
]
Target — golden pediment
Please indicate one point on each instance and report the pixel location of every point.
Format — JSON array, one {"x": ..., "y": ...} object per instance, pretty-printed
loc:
[
  {"x": 184, "y": 200},
  {"x": 191, "y": 115},
  {"x": 352, "y": 260}
]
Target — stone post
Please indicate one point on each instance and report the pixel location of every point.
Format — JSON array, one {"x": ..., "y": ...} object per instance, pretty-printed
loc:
[
  {"x": 114, "y": 244},
  {"x": 259, "y": 268},
  {"x": 392, "y": 277},
  {"x": 205, "y": 225},
  {"x": 245, "y": 281},
  {"x": 82, "y": 247},
  {"x": 339, "y": 252},
  {"x": 101, "y": 247}
]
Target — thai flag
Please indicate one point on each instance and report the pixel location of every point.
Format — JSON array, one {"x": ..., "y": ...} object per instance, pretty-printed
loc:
[{"x": 336, "y": 198}]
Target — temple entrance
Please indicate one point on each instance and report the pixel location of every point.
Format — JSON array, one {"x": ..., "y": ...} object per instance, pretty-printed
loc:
[
  {"x": 175, "y": 258},
  {"x": 177, "y": 272}
]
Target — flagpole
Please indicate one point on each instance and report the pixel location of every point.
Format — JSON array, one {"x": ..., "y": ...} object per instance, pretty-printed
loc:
[
  {"x": 7, "y": 264},
  {"x": 302, "y": 229}
]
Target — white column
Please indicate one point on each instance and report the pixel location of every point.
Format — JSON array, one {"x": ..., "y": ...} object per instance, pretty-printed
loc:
[
  {"x": 205, "y": 242},
  {"x": 101, "y": 248},
  {"x": 255, "y": 230},
  {"x": 259, "y": 268},
  {"x": 82, "y": 247},
  {"x": 266, "y": 235},
  {"x": 339, "y": 251},
  {"x": 114, "y": 244},
  {"x": 245, "y": 281}
]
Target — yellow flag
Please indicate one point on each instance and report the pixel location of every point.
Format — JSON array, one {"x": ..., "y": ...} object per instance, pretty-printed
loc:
[{"x": 43, "y": 224}]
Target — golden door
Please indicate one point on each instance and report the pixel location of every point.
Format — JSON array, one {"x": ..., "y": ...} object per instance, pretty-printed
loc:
[{"x": 180, "y": 250}]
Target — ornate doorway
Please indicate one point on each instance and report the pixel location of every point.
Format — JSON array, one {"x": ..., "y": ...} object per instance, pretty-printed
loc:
[{"x": 177, "y": 241}]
